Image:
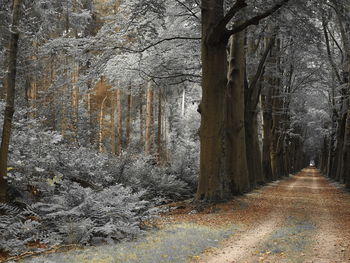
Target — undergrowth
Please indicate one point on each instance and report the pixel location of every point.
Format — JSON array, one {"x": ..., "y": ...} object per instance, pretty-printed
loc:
[{"x": 67, "y": 194}]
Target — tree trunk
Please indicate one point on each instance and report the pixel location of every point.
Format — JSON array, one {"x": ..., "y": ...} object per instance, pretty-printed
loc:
[
  {"x": 101, "y": 122},
  {"x": 119, "y": 123},
  {"x": 128, "y": 124},
  {"x": 10, "y": 98},
  {"x": 113, "y": 131},
  {"x": 75, "y": 101},
  {"x": 183, "y": 102},
  {"x": 159, "y": 133},
  {"x": 277, "y": 106},
  {"x": 253, "y": 150},
  {"x": 149, "y": 119},
  {"x": 252, "y": 95},
  {"x": 345, "y": 171},
  {"x": 218, "y": 178},
  {"x": 213, "y": 181},
  {"x": 236, "y": 147},
  {"x": 340, "y": 148},
  {"x": 141, "y": 120},
  {"x": 266, "y": 102}
]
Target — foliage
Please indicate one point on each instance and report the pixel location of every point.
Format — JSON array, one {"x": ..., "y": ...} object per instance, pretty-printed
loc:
[{"x": 62, "y": 194}]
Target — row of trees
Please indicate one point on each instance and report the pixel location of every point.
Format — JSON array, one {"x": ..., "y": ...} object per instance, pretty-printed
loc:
[
  {"x": 334, "y": 157},
  {"x": 262, "y": 89}
]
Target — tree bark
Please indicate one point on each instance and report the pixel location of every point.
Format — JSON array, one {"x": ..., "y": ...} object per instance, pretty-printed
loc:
[
  {"x": 141, "y": 120},
  {"x": 213, "y": 182},
  {"x": 149, "y": 119},
  {"x": 75, "y": 101},
  {"x": 10, "y": 98},
  {"x": 128, "y": 123},
  {"x": 266, "y": 103},
  {"x": 252, "y": 95},
  {"x": 217, "y": 180},
  {"x": 101, "y": 122},
  {"x": 159, "y": 133},
  {"x": 345, "y": 171},
  {"x": 113, "y": 130},
  {"x": 236, "y": 147},
  {"x": 119, "y": 123}
]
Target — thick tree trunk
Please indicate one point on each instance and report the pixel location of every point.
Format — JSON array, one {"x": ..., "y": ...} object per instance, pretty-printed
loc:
[
  {"x": 277, "y": 106},
  {"x": 345, "y": 171},
  {"x": 266, "y": 102},
  {"x": 10, "y": 98},
  {"x": 236, "y": 147},
  {"x": 252, "y": 95},
  {"x": 218, "y": 175},
  {"x": 213, "y": 182},
  {"x": 324, "y": 154},
  {"x": 254, "y": 160},
  {"x": 340, "y": 147}
]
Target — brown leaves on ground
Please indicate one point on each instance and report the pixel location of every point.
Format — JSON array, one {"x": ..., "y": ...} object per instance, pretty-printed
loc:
[{"x": 3, "y": 254}]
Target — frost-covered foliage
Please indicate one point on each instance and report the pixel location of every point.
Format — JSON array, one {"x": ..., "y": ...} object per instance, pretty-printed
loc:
[
  {"x": 71, "y": 214},
  {"x": 62, "y": 194}
]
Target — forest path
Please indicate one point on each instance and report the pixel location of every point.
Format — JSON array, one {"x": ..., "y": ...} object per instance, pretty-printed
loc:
[
  {"x": 303, "y": 218},
  {"x": 308, "y": 221}
]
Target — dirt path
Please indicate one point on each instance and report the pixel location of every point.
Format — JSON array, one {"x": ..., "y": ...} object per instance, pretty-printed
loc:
[
  {"x": 303, "y": 218},
  {"x": 308, "y": 220}
]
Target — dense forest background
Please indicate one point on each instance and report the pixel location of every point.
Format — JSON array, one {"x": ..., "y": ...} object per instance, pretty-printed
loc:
[{"x": 120, "y": 106}]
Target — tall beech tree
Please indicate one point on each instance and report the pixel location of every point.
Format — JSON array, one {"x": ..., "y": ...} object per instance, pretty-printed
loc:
[
  {"x": 252, "y": 97},
  {"x": 217, "y": 180},
  {"x": 10, "y": 96}
]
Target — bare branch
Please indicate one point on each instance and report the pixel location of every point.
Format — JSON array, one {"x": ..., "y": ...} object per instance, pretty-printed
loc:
[
  {"x": 155, "y": 44},
  {"x": 254, "y": 20},
  {"x": 336, "y": 42},
  {"x": 188, "y": 9},
  {"x": 240, "y": 4},
  {"x": 331, "y": 61},
  {"x": 255, "y": 90}
]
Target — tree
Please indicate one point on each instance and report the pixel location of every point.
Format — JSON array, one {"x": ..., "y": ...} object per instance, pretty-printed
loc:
[
  {"x": 215, "y": 182},
  {"x": 10, "y": 97}
]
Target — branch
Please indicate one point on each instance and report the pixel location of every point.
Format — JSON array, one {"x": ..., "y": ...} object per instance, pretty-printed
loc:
[
  {"x": 188, "y": 9},
  {"x": 156, "y": 43},
  {"x": 240, "y": 4},
  {"x": 254, "y": 90},
  {"x": 329, "y": 53},
  {"x": 254, "y": 20},
  {"x": 336, "y": 42}
]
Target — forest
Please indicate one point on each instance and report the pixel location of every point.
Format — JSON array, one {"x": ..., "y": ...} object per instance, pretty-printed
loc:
[{"x": 216, "y": 127}]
